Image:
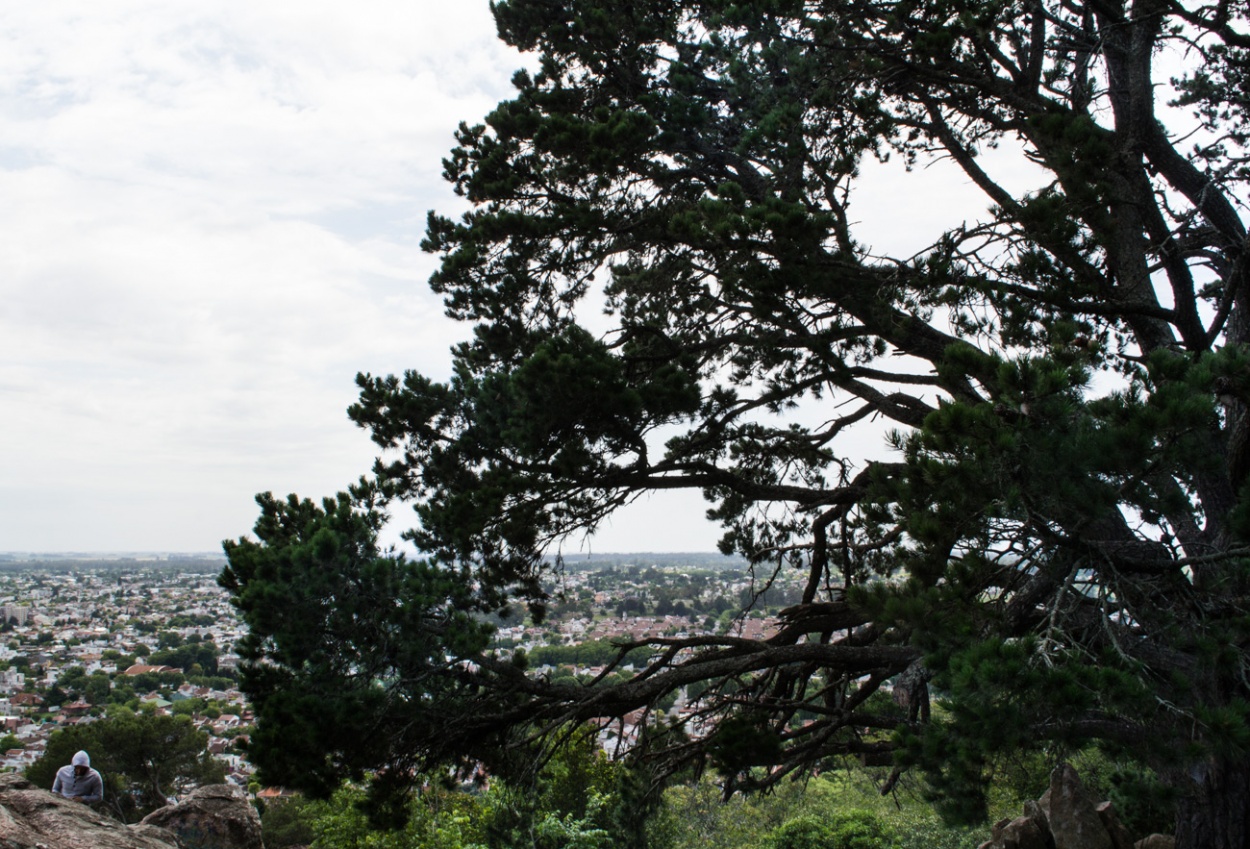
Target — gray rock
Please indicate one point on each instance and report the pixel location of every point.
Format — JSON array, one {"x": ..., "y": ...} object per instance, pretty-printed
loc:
[
  {"x": 33, "y": 818},
  {"x": 216, "y": 817},
  {"x": 1072, "y": 813},
  {"x": 1120, "y": 837},
  {"x": 1024, "y": 833},
  {"x": 1067, "y": 817},
  {"x": 1029, "y": 831}
]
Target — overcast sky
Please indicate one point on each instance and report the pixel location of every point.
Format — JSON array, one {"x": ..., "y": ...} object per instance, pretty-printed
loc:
[{"x": 210, "y": 216}]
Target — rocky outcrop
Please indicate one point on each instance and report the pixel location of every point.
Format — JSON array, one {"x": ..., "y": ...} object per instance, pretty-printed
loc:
[
  {"x": 216, "y": 817},
  {"x": 1029, "y": 831},
  {"x": 33, "y": 818},
  {"x": 1068, "y": 817},
  {"x": 1073, "y": 813},
  {"x": 211, "y": 818}
]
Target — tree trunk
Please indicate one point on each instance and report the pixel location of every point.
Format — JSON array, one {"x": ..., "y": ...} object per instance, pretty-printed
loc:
[{"x": 1214, "y": 811}]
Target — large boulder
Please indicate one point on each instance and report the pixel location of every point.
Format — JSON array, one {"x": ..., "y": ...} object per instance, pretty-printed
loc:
[
  {"x": 1024, "y": 832},
  {"x": 215, "y": 817},
  {"x": 1120, "y": 837},
  {"x": 1068, "y": 817},
  {"x": 1073, "y": 813},
  {"x": 33, "y": 818}
]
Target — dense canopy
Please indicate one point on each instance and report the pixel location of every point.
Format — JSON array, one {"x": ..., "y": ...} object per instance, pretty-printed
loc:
[{"x": 1049, "y": 525}]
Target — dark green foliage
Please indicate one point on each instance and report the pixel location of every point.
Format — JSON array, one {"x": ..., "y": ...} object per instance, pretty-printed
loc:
[
  {"x": 698, "y": 817},
  {"x": 436, "y": 819},
  {"x": 143, "y": 759},
  {"x": 591, "y": 653},
  {"x": 1142, "y": 802},
  {"x": 844, "y": 830},
  {"x": 144, "y": 682},
  {"x": 1055, "y": 538},
  {"x": 577, "y": 799},
  {"x": 326, "y": 610},
  {"x": 202, "y": 654},
  {"x": 72, "y": 679},
  {"x": 803, "y": 833},
  {"x": 742, "y": 742},
  {"x": 287, "y": 822},
  {"x": 98, "y": 688}
]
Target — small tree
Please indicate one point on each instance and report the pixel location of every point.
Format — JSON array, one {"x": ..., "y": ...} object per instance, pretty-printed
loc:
[
  {"x": 142, "y": 759},
  {"x": 844, "y": 830},
  {"x": 287, "y": 822},
  {"x": 806, "y": 832}
]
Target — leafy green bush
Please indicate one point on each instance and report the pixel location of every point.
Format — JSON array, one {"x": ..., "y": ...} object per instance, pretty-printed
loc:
[
  {"x": 1141, "y": 800},
  {"x": 287, "y": 822},
  {"x": 142, "y": 759},
  {"x": 439, "y": 819},
  {"x": 920, "y": 829},
  {"x": 695, "y": 816},
  {"x": 803, "y": 833},
  {"x": 856, "y": 829}
]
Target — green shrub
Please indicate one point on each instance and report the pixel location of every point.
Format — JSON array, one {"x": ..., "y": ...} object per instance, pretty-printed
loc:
[
  {"x": 925, "y": 830},
  {"x": 857, "y": 829},
  {"x": 854, "y": 829},
  {"x": 802, "y": 833},
  {"x": 287, "y": 822}
]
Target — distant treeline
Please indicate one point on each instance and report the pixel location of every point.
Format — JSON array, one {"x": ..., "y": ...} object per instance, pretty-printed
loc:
[
  {"x": 696, "y": 560},
  {"x": 593, "y": 653},
  {"x": 176, "y": 564},
  {"x": 204, "y": 563}
]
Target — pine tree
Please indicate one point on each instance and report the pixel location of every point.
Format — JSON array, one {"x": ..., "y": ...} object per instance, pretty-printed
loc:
[{"x": 1056, "y": 543}]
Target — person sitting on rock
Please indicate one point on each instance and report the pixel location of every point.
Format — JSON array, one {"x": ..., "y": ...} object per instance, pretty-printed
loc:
[{"x": 79, "y": 781}]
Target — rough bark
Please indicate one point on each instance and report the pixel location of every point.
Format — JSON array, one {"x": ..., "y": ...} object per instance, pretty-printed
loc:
[{"x": 1214, "y": 811}]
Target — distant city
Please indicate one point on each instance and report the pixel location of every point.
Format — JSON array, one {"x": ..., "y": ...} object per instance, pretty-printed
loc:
[
  {"x": 44, "y": 557},
  {"x": 79, "y": 635},
  {"x": 81, "y": 632}
]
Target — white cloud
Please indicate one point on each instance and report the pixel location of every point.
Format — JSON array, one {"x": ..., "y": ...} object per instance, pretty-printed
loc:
[{"x": 211, "y": 217}]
